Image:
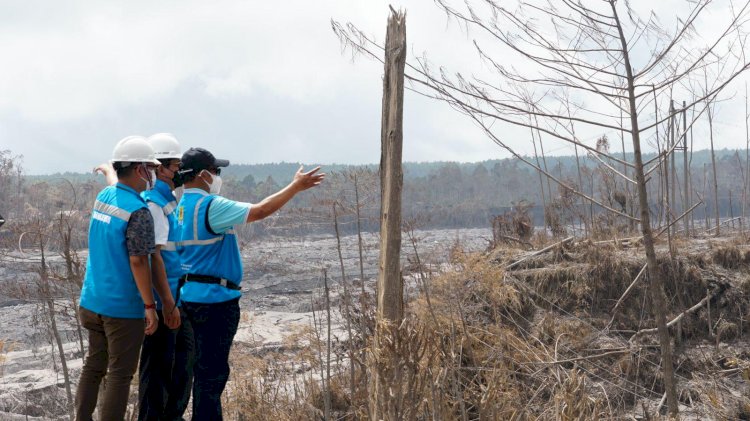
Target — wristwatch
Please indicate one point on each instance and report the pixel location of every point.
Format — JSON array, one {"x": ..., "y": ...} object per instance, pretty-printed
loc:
[{"x": 151, "y": 306}]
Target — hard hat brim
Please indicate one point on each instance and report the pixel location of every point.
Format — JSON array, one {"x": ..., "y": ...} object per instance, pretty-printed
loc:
[
  {"x": 148, "y": 161},
  {"x": 169, "y": 156}
]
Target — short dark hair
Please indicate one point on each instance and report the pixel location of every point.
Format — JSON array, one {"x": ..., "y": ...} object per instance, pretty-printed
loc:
[
  {"x": 167, "y": 161},
  {"x": 123, "y": 169}
]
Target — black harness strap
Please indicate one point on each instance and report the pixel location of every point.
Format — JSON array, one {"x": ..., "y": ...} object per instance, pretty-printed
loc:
[{"x": 203, "y": 279}]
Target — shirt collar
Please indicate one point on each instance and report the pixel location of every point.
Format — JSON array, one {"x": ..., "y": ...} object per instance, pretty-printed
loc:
[
  {"x": 196, "y": 191},
  {"x": 164, "y": 190}
]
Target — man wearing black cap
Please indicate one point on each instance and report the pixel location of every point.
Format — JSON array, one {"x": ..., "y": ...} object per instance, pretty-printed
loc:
[{"x": 212, "y": 264}]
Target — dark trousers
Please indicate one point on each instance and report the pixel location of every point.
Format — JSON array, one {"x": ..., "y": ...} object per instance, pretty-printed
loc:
[
  {"x": 165, "y": 372},
  {"x": 113, "y": 351},
  {"x": 214, "y": 327},
  {"x": 178, "y": 392}
]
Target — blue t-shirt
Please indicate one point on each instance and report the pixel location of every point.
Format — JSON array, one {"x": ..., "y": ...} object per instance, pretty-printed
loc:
[{"x": 223, "y": 214}]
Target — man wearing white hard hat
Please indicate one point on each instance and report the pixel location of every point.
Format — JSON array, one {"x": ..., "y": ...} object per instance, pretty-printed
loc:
[
  {"x": 117, "y": 290},
  {"x": 165, "y": 370}
]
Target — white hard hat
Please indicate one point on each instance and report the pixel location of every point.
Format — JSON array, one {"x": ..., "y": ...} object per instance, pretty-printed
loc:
[
  {"x": 165, "y": 146},
  {"x": 134, "y": 149}
]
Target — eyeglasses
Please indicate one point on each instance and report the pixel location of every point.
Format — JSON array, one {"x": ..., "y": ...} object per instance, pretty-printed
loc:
[{"x": 216, "y": 171}]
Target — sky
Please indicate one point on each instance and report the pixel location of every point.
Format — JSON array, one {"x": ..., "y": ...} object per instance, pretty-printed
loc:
[{"x": 252, "y": 81}]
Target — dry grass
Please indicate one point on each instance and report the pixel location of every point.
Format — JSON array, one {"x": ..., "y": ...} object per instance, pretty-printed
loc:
[{"x": 527, "y": 344}]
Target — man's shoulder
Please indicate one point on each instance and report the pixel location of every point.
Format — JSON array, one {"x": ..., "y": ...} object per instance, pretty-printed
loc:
[
  {"x": 143, "y": 213},
  {"x": 221, "y": 200}
]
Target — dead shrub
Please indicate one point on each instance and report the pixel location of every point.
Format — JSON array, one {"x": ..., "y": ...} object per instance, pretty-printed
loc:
[
  {"x": 513, "y": 225},
  {"x": 729, "y": 257},
  {"x": 574, "y": 402}
]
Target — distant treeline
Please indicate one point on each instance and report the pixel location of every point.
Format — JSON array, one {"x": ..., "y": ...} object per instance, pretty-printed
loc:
[{"x": 436, "y": 194}]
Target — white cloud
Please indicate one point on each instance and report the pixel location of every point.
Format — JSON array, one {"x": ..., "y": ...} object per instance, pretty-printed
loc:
[{"x": 77, "y": 76}]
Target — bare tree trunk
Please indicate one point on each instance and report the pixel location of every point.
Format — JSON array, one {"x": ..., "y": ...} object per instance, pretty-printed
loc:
[
  {"x": 662, "y": 164},
  {"x": 541, "y": 181},
  {"x": 347, "y": 303},
  {"x": 673, "y": 172},
  {"x": 686, "y": 169},
  {"x": 580, "y": 184},
  {"x": 383, "y": 405},
  {"x": 705, "y": 208},
  {"x": 742, "y": 194},
  {"x": 667, "y": 173},
  {"x": 731, "y": 209},
  {"x": 628, "y": 194},
  {"x": 390, "y": 289},
  {"x": 49, "y": 301},
  {"x": 327, "y": 380},
  {"x": 747, "y": 158},
  {"x": 71, "y": 276},
  {"x": 656, "y": 281},
  {"x": 359, "y": 238},
  {"x": 690, "y": 165},
  {"x": 713, "y": 165},
  {"x": 363, "y": 306},
  {"x": 544, "y": 160}
]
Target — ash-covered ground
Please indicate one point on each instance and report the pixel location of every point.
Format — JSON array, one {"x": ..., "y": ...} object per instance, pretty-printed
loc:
[{"x": 282, "y": 278}]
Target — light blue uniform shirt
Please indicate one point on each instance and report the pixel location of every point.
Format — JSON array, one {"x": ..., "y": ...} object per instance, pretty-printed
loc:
[
  {"x": 224, "y": 214},
  {"x": 210, "y": 249}
]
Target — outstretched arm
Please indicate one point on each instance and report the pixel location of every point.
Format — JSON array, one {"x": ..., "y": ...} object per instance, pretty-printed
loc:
[
  {"x": 301, "y": 182},
  {"x": 108, "y": 171}
]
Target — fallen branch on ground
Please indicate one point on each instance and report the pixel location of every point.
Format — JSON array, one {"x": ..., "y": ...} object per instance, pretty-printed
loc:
[
  {"x": 536, "y": 253},
  {"x": 632, "y": 284},
  {"x": 679, "y": 317}
]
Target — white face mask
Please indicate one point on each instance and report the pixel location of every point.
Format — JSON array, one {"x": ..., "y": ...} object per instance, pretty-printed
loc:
[
  {"x": 178, "y": 192},
  {"x": 151, "y": 182},
  {"x": 214, "y": 187}
]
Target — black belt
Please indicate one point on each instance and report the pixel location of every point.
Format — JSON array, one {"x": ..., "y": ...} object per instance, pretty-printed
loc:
[{"x": 209, "y": 280}]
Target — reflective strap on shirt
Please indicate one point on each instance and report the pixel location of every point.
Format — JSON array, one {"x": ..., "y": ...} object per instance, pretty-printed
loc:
[
  {"x": 195, "y": 241},
  {"x": 169, "y": 208},
  {"x": 170, "y": 246},
  {"x": 195, "y": 218},
  {"x": 112, "y": 210},
  {"x": 200, "y": 242}
]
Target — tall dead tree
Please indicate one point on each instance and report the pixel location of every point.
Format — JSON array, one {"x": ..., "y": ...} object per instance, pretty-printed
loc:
[
  {"x": 710, "y": 113},
  {"x": 686, "y": 173},
  {"x": 383, "y": 403},
  {"x": 390, "y": 286}
]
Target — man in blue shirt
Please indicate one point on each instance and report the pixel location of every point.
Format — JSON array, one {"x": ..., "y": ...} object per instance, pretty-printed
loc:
[
  {"x": 117, "y": 290},
  {"x": 165, "y": 371},
  {"x": 212, "y": 264}
]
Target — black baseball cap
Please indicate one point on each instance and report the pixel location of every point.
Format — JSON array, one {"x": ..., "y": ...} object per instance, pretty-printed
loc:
[{"x": 198, "y": 159}]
